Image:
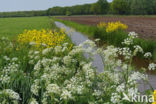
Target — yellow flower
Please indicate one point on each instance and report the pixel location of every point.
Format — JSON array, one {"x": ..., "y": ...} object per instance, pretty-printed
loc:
[
  {"x": 154, "y": 95},
  {"x": 112, "y": 26},
  {"x": 44, "y": 37},
  {"x": 101, "y": 25}
]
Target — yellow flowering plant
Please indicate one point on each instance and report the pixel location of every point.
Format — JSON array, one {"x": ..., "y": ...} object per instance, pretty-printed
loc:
[
  {"x": 112, "y": 26},
  {"x": 101, "y": 25},
  {"x": 48, "y": 38},
  {"x": 154, "y": 95}
]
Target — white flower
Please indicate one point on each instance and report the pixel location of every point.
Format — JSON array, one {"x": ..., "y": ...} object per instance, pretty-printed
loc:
[
  {"x": 37, "y": 57},
  {"x": 125, "y": 52},
  {"x": 90, "y": 43},
  {"x": 128, "y": 41},
  {"x": 12, "y": 94},
  {"x": 125, "y": 67},
  {"x": 137, "y": 49},
  {"x": 120, "y": 88},
  {"x": 33, "y": 101},
  {"x": 14, "y": 59},
  {"x": 36, "y": 52},
  {"x": 44, "y": 101},
  {"x": 35, "y": 87},
  {"x": 97, "y": 93},
  {"x": 87, "y": 66},
  {"x": 31, "y": 52},
  {"x": 132, "y": 91},
  {"x": 66, "y": 95},
  {"x": 76, "y": 50},
  {"x": 67, "y": 60},
  {"x": 46, "y": 51},
  {"x": 109, "y": 54},
  {"x": 65, "y": 44},
  {"x": 31, "y": 62},
  {"x": 152, "y": 66},
  {"x": 148, "y": 55},
  {"x": 99, "y": 50},
  {"x": 133, "y": 35},
  {"x": 64, "y": 49},
  {"x": 53, "y": 88},
  {"x": 58, "y": 49},
  {"x": 119, "y": 63},
  {"x": 43, "y": 44},
  {"x": 32, "y": 43},
  {"x": 136, "y": 76},
  {"x": 115, "y": 98},
  {"x": 6, "y": 58},
  {"x": 38, "y": 65},
  {"x": 97, "y": 40},
  {"x": 4, "y": 78}
]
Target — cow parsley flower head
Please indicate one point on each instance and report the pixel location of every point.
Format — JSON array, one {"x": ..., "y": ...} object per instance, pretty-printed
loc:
[
  {"x": 6, "y": 58},
  {"x": 14, "y": 59},
  {"x": 33, "y": 101},
  {"x": 120, "y": 88},
  {"x": 66, "y": 95},
  {"x": 125, "y": 52},
  {"x": 152, "y": 66},
  {"x": 96, "y": 40},
  {"x": 12, "y": 94},
  {"x": 36, "y": 52},
  {"x": 46, "y": 51},
  {"x": 32, "y": 43},
  {"x": 148, "y": 55},
  {"x": 67, "y": 60},
  {"x": 35, "y": 87},
  {"x": 53, "y": 88},
  {"x": 90, "y": 43},
  {"x": 4, "y": 79},
  {"x": 133, "y": 35},
  {"x": 58, "y": 49},
  {"x": 137, "y": 49},
  {"x": 115, "y": 98},
  {"x": 128, "y": 41}
]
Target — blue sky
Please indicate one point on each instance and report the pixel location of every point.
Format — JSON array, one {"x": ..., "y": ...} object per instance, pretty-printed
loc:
[{"x": 20, "y": 5}]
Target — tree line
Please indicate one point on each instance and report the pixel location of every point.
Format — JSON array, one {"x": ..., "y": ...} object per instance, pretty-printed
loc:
[
  {"x": 121, "y": 7},
  {"x": 23, "y": 14}
]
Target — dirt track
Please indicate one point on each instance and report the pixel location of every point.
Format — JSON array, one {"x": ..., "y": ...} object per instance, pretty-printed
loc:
[{"x": 144, "y": 26}]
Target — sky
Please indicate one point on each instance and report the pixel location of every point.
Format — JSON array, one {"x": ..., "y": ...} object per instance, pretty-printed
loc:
[{"x": 24, "y": 5}]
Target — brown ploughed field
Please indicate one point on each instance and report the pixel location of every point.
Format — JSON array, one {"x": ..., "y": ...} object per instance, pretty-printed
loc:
[{"x": 144, "y": 26}]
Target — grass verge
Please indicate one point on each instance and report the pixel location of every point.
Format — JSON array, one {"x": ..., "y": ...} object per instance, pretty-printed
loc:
[{"x": 114, "y": 38}]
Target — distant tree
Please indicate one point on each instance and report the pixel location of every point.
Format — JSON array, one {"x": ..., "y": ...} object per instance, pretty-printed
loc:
[
  {"x": 68, "y": 13},
  {"x": 150, "y": 6},
  {"x": 103, "y": 5},
  {"x": 139, "y": 7},
  {"x": 154, "y": 6},
  {"x": 120, "y": 6},
  {"x": 123, "y": 7},
  {"x": 95, "y": 9},
  {"x": 100, "y": 7}
]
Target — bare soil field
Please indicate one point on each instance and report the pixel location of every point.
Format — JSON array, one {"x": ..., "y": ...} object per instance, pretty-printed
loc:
[{"x": 144, "y": 26}]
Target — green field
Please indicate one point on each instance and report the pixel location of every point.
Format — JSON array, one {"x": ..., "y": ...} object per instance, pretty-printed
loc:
[{"x": 11, "y": 27}]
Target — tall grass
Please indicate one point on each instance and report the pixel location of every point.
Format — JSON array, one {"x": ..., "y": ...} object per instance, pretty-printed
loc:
[
  {"x": 113, "y": 38},
  {"x": 88, "y": 30}
]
